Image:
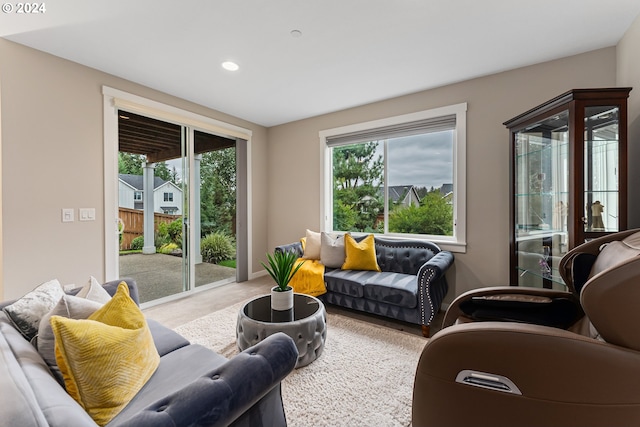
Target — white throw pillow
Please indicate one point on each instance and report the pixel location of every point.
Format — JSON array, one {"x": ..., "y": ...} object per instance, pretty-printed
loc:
[
  {"x": 332, "y": 250},
  {"x": 312, "y": 245},
  {"x": 94, "y": 291}
]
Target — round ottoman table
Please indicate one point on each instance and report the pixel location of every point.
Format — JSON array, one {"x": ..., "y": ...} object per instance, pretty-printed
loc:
[{"x": 306, "y": 323}]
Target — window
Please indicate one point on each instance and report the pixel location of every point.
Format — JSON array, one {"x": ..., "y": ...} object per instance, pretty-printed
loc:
[
  {"x": 137, "y": 195},
  {"x": 168, "y": 197},
  {"x": 402, "y": 176}
]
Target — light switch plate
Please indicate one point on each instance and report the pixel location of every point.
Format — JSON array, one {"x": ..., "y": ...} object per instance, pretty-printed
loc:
[
  {"x": 67, "y": 215},
  {"x": 87, "y": 214}
]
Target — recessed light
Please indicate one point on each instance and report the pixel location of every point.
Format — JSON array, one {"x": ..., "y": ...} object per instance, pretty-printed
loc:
[
  {"x": 296, "y": 33},
  {"x": 231, "y": 66}
]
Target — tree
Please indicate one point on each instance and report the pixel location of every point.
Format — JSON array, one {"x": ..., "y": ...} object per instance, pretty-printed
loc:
[
  {"x": 357, "y": 175},
  {"x": 218, "y": 191},
  {"x": 130, "y": 163},
  {"x": 434, "y": 216}
]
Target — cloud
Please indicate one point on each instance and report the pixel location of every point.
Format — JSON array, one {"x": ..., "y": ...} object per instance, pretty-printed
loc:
[{"x": 422, "y": 160}]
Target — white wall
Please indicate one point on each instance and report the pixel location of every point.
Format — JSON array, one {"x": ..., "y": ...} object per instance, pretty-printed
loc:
[{"x": 125, "y": 195}]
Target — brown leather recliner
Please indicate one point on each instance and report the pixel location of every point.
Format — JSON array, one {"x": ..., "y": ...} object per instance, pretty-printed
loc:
[{"x": 513, "y": 356}]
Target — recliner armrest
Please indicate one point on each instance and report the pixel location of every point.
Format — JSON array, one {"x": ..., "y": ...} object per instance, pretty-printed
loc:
[
  {"x": 565, "y": 379},
  {"x": 520, "y": 299},
  {"x": 225, "y": 393}
]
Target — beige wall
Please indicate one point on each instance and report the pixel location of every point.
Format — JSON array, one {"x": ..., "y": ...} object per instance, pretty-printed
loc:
[
  {"x": 294, "y": 150},
  {"x": 52, "y": 144},
  {"x": 1, "y": 245},
  {"x": 628, "y": 74}
]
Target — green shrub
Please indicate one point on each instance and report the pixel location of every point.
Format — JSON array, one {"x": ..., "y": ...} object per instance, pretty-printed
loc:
[
  {"x": 174, "y": 230},
  {"x": 216, "y": 247},
  {"x": 137, "y": 243},
  {"x": 167, "y": 248}
]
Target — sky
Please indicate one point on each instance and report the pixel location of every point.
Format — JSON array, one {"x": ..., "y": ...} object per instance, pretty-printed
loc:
[{"x": 421, "y": 160}]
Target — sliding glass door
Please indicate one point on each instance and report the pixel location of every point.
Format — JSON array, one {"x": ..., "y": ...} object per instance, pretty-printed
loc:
[{"x": 177, "y": 206}]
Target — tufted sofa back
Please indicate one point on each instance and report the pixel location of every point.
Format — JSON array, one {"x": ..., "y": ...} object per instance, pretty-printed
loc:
[{"x": 403, "y": 256}]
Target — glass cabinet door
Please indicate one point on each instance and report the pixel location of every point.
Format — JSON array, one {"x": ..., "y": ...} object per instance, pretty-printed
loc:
[
  {"x": 601, "y": 172},
  {"x": 541, "y": 199}
]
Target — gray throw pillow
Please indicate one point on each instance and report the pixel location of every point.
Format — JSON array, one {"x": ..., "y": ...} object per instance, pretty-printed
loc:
[
  {"x": 72, "y": 308},
  {"x": 26, "y": 312},
  {"x": 332, "y": 250}
]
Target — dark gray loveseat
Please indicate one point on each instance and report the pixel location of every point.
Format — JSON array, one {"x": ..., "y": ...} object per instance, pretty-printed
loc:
[
  {"x": 410, "y": 287},
  {"x": 192, "y": 386}
]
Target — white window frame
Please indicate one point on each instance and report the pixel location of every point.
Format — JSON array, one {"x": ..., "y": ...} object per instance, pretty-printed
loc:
[{"x": 455, "y": 243}]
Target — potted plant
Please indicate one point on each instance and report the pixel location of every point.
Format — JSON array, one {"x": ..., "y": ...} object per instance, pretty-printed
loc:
[{"x": 282, "y": 267}]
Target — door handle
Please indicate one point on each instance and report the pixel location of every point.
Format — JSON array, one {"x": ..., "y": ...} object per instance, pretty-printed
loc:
[{"x": 487, "y": 381}]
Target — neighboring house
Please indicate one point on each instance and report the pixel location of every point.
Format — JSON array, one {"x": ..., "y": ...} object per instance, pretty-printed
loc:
[
  {"x": 405, "y": 195},
  {"x": 167, "y": 197},
  {"x": 447, "y": 192}
]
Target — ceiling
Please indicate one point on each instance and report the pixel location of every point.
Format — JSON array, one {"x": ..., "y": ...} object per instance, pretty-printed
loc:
[
  {"x": 349, "y": 53},
  {"x": 160, "y": 141}
]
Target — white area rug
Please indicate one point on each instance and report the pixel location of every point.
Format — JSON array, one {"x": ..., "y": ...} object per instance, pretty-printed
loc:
[{"x": 364, "y": 376}]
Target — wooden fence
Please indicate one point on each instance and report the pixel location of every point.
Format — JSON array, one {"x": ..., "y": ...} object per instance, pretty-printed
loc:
[{"x": 133, "y": 220}]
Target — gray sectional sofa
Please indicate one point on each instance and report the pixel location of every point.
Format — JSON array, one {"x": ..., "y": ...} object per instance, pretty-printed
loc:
[
  {"x": 410, "y": 287},
  {"x": 192, "y": 386}
]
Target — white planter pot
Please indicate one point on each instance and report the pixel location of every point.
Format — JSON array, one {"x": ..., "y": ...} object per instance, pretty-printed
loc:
[{"x": 281, "y": 301}]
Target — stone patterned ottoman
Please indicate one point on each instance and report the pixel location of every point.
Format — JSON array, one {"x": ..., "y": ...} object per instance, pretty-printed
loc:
[{"x": 306, "y": 323}]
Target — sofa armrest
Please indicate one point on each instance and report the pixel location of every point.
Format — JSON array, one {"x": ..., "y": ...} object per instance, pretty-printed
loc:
[
  {"x": 226, "y": 392},
  {"x": 295, "y": 247},
  {"x": 432, "y": 284}
]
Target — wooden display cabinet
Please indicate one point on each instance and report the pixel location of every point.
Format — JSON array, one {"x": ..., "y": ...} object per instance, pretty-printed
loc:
[{"x": 568, "y": 179}]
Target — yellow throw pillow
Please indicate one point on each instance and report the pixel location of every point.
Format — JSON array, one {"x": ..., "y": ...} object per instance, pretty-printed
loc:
[
  {"x": 106, "y": 359},
  {"x": 360, "y": 256}
]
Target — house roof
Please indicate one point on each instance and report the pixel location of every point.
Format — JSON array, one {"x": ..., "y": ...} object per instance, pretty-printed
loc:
[
  {"x": 399, "y": 191},
  {"x": 135, "y": 181}
]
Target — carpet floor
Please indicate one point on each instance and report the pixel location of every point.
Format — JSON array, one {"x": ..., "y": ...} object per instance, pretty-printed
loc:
[{"x": 364, "y": 376}]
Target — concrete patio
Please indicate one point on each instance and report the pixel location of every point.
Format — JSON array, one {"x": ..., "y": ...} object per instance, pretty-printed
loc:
[{"x": 160, "y": 275}]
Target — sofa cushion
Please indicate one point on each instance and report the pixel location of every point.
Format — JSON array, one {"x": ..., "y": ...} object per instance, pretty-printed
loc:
[
  {"x": 403, "y": 256},
  {"x": 393, "y": 288},
  {"x": 26, "y": 312},
  {"x": 347, "y": 282},
  {"x": 29, "y": 394},
  {"x": 106, "y": 359},
  {"x": 360, "y": 255},
  {"x": 170, "y": 377},
  {"x": 165, "y": 339}
]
